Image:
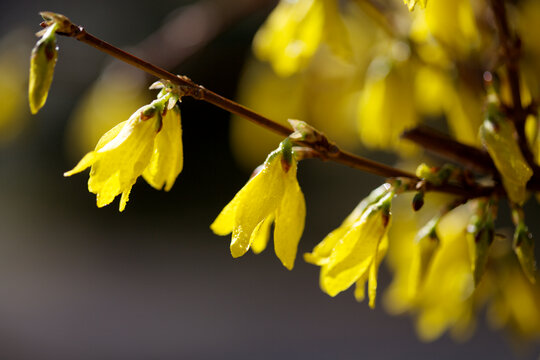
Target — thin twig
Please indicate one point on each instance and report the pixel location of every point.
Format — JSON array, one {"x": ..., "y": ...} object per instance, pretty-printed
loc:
[
  {"x": 450, "y": 149},
  {"x": 199, "y": 92}
]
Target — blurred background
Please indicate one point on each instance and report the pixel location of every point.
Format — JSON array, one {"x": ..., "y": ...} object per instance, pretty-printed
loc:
[{"x": 78, "y": 282}]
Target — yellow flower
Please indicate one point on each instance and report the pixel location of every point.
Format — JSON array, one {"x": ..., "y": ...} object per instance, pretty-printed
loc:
[
  {"x": 445, "y": 298},
  {"x": 146, "y": 144},
  {"x": 386, "y": 105},
  {"x": 294, "y": 30},
  {"x": 352, "y": 253},
  {"x": 453, "y": 25},
  {"x": 273, "y": 195}
]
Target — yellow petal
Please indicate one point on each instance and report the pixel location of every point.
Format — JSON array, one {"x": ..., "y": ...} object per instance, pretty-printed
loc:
[
  {"x": 321, "y": 253},
  {"x": 360, "y": 289},
  {"x": 290, "y": 217},
  {"x": 224, "y": 223},
  {"x": 335, "y": 31},
  {"x": 290, "y": 36},
  {"x": 261, "y": 234},
  {"x": 257, "y": 200},
  {"x": 109, "y": 135},
  {"x": 167, "y": 159},
  {"x": 374, "y": 268},
  {"x": 85, "y": 162},
  {"x": 109, "y": 190},
  {"x": 124, "y": 199},
  {"x": 352, "y": 257}
]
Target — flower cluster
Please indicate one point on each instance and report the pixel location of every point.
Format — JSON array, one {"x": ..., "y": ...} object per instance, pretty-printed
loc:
[
  {"x": 149, "y": 143},
  {"x": 446, "y": 257}
]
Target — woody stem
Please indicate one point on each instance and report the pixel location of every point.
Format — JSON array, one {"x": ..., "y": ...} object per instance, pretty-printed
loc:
[{"x": 201, "y": 93}]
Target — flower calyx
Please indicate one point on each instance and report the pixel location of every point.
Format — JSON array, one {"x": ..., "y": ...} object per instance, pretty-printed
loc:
[{"x": 306, "y": 134}]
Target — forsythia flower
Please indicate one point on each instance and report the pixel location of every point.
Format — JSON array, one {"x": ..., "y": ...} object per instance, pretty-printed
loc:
[
  {"x": 386, "y": 105},
  {"x": 146, "y": 144},
  {"x": 294, "y": 31},
  {"x": 444, "y": 300},
  {"x": 272, "y": 195},
  {"x": 352, "y": 253}
]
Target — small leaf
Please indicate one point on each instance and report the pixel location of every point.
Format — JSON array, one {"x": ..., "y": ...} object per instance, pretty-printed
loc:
[{"x": 497, "y": 135}]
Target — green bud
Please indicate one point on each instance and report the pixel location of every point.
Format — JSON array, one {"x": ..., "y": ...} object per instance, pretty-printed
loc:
[
  {"x": 524, "y": 248},
  {"x": 42, "y": 63}
]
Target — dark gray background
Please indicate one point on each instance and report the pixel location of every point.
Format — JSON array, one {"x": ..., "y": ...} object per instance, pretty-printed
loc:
[{"x": 77, "y": 282}]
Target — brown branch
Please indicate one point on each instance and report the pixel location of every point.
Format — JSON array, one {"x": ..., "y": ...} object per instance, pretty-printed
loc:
[
  {"x": 326, "y": 150},
  {"x": 453, "y": 150},
  {"x": 450, "y": 149}
]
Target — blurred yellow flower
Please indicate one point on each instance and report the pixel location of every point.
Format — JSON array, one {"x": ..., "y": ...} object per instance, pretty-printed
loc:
[
  {"x": 386, "y": 105},
  {"x": 352, "y": 253},
  {"x": 294, "y": 30},
  {"x": 146, "y": 144},
  {"x": 453, "y": 25},
  {"x": 272, "y": 195},
  {"x": 444, "y": 300}
]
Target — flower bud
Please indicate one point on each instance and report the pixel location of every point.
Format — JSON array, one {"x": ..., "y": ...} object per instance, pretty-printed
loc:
[
  {"x": 497, "y": 135},
  {"x": 42, "y": 63}
]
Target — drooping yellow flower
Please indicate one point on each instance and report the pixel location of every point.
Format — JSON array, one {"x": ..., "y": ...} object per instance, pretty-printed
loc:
[
  {"x": 146, "y": 144},
  {"x": 445, "y": 300},
  {"x": 386, "y": 105},
  {"x": 294, "y": 31},
  {"x": 272, "y": 195},
  {"x": 352, "y": 253},
  {"x": 515, "y": 301},
  {"x": 453, "y": 24}
]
